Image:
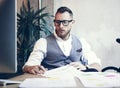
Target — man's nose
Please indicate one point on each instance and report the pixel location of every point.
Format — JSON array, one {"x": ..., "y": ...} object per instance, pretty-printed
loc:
[{"x": 61, "y": 25}]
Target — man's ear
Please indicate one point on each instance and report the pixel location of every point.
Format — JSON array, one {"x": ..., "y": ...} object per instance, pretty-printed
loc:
[{"x": 73, "y": 21}]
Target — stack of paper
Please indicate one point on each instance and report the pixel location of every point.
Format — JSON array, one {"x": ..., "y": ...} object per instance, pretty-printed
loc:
[{"x": 100, "y": 80}]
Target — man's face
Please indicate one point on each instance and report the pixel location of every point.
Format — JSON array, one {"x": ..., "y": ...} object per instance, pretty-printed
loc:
[{"x": 63, "y": 23}]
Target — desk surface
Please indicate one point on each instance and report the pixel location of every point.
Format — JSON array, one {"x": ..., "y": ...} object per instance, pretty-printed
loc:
[
  {"x": 78, "y": 82},
  {"x": 26, "y": 75}
]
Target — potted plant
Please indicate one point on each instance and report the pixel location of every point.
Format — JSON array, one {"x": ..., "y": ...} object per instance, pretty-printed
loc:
[{"x": 31, "y": 25}]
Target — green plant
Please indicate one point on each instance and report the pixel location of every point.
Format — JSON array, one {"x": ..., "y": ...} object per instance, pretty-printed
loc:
[{"x": 31, "y": 25}]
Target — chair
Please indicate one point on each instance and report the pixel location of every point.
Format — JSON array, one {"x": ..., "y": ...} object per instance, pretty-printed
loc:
[
  {"x": 112, "y": 68},
  {"x": 118, "y": 40}
]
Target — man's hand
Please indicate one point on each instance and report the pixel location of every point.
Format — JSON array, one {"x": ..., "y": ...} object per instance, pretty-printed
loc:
[
  {"x": 34, "y": 69},
  {"x": 78, "y": 65}
]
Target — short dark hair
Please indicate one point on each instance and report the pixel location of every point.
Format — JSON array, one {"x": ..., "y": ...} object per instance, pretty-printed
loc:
[{"x": 64, "y": 9}]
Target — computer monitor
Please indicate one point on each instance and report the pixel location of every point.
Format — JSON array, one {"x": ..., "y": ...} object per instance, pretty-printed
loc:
[{"x": 8, "y": 42}]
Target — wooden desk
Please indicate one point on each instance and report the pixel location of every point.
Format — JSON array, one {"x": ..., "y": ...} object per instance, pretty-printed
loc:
[{"x": 26, "y": 75}]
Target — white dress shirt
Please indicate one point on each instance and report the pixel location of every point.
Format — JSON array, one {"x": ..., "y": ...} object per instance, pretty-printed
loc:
[{"x": 40, "y": 50}]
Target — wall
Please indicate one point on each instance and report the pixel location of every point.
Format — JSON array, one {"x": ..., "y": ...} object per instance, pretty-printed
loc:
[
  {"x": 98, "y": 21},
  {"x": 49, "y": 4},
  {"x": 34, "y": 4}
]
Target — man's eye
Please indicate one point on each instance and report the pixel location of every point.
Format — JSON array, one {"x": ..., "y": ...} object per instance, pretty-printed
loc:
[{"x": 65, "y": 22}]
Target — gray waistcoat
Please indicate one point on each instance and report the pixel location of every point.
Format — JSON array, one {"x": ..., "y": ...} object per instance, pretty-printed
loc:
[{"x": 55, "y": 57}]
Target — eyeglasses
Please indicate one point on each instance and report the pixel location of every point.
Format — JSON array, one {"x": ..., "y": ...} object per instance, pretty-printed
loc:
[{"x": 64, "y": 22}]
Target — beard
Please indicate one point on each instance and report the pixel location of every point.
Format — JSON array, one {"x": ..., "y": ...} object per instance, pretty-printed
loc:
[{"x": 63, "y": 34}]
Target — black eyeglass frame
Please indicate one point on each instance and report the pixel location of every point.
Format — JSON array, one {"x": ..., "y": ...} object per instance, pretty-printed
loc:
[{"x": 64, "y": 22}]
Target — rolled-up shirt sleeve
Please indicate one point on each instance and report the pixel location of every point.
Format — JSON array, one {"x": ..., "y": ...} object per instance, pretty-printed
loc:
[
  {"x": 38, "y": 53},
  {"x": 88, "y": 53}
]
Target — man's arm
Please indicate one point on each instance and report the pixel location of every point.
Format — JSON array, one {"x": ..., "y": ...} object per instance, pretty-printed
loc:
[
  {"x": 37, "y": 55},
  {"x": 93, "y": 60}
]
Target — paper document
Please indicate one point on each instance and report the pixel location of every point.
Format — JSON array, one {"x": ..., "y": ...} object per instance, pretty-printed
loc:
[
  {"x": 61, "y": 77},
  {"x": 100, "y": 80},
  {"x": 64, "y": 72},
  {"x": 48, "y": 83}
]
